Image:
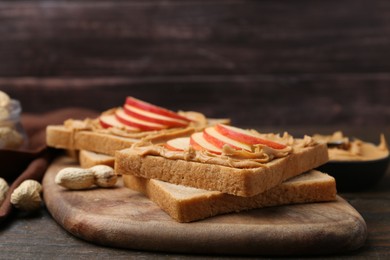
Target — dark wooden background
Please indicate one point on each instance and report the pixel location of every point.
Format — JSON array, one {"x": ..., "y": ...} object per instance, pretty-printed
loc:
[{"x": 263, "y": 63}]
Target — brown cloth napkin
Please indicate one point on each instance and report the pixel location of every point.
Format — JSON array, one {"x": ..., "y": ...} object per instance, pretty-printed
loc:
[{"x": 31, "y": 163}]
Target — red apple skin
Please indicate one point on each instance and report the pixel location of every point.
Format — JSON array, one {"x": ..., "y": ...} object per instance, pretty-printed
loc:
[
  {"x": 174, "y": 123},
  {"x": 197, "y": 145},
  {"x": 153, "y": 108},
  {"x": 220, "y": 143},
  {"x": 104, "y": 124},
  {"x": 131, "y": 123},
  {"x": 246, "y": 138},
  {"x": 107, "y": 121}
]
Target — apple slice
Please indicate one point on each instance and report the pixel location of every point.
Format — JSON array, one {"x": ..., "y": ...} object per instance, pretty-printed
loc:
[
  {"x": 154, "y": 109},
  {"x": 245, "y": 136},
  {"x": 219, "y": 140},
  {"x": 198, "y": 142},
  {"x": 153, "y": 117},
  {"x": 108, "y": 121},
  {"x": 178, "y": 144},
  {"x": 128, "y": 120}
]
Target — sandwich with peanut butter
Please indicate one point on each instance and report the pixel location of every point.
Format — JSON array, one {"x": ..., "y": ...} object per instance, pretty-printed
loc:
[
  {"x": 223, "y": 158},
  {"x": 120, "y": 127}
]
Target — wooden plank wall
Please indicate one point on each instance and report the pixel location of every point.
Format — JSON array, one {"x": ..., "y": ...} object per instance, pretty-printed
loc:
[{"x": 259, "y": 62}]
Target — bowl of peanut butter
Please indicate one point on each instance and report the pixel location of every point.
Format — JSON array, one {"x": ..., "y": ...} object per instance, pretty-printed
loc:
[{"x": 355, "y": 164}]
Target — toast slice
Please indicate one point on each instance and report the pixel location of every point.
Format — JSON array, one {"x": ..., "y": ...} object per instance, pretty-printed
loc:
[
  {"x": 85, "y": 135},
  {"x": 63, "y": 137},
  {"x": 186, "y": 204},
  {"x": 114, "y": 129},
  {"x": 195, "y": 169},
  {"x": 88, "y": 159}
]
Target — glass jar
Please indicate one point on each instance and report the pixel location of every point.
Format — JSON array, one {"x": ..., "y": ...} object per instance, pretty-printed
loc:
[{"x": 12, "y": 133}]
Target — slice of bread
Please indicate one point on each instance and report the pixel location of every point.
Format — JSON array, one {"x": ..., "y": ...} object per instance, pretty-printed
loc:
[
  {"x": 186, "y": 204},
  {"x": 59, "y": 136},
  {"x": 107, "y": 142},
  {"x": 88, "y": 159},
  {"x": 237, "y": 181}
]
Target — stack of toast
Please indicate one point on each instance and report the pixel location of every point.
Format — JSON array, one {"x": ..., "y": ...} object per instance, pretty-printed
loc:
[{"x": 193, "y": 167}]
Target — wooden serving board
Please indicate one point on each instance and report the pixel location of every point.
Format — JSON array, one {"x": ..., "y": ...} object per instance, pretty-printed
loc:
[{"x": 123, "y": 218}]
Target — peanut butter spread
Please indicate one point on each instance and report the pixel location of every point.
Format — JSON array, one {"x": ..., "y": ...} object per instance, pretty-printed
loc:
[
  {"x": 341, "y": 148},
  {"x": 230, "y": 157},
  {"x": 198, "y": 122}
]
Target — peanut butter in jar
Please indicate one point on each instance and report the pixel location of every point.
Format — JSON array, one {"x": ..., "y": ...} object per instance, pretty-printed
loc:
[{"x": 12, "y": 134}]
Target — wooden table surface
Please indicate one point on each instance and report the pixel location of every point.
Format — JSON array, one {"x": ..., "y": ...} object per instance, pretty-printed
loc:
[{"x": 39, "y": 236}]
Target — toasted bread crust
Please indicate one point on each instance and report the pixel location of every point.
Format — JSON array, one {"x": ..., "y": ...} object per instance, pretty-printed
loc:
[
  {"x": 58, "y": 136},
  {"x": 186, "y": 204},
  {"x": 61, "y": 137},
  {"x": 240, "y": 182}
]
